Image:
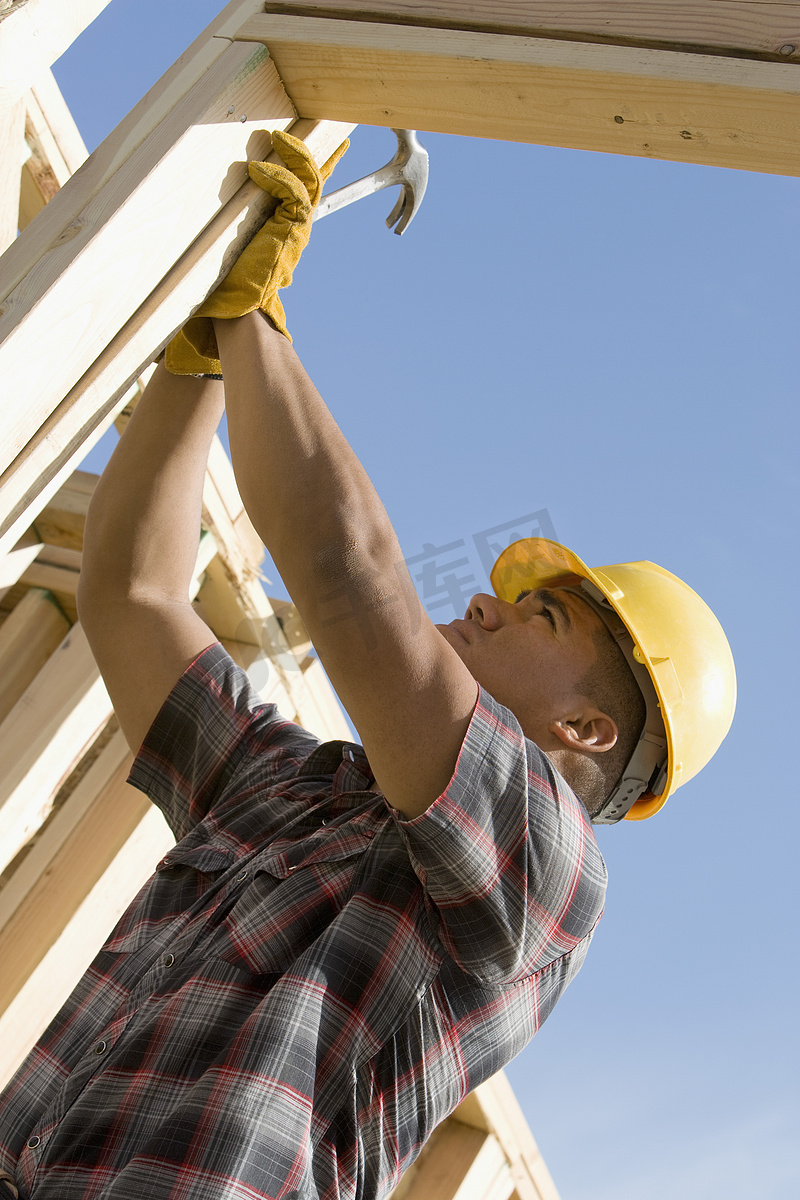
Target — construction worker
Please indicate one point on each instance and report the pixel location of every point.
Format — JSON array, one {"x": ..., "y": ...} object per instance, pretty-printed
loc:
[{"x": 344, "y": 941}]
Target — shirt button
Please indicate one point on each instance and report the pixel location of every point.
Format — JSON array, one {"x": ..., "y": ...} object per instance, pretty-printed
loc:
[
  {"x": 242, "y": 875},
  {"x": 168, "y": 960},
  {"x": 101, "y": 1047},
  {"x": 33, "y": 1142},
  {"x": 351, "y": 756}
]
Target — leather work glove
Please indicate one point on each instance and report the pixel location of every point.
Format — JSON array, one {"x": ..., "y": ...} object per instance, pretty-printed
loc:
[{"x": 267, "y": 261}]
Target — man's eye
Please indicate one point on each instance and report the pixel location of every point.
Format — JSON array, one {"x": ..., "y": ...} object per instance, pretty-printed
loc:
[
  {"x": 522, "y": 596},
  {"x": 547, "y": 613}
]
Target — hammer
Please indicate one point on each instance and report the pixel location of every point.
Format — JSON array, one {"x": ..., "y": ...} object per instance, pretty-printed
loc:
[{"x": 409, "y": 168}]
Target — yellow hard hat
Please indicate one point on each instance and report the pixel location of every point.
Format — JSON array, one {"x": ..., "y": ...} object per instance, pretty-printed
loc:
[{"x": 675, "y": 647}]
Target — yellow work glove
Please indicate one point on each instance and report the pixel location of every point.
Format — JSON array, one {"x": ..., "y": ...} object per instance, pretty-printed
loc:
[{"x": 266, "y": 263}]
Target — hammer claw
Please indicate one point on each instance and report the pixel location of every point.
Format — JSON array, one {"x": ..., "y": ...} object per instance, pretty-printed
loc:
[{"x": 409, "y": 168}]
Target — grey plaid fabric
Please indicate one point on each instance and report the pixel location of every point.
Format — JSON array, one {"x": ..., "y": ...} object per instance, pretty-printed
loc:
[{"x": 310, "y": 982}]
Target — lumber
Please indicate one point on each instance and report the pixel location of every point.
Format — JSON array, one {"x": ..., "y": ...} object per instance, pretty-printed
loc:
[
  {"x": 91, "y": 406},
  {"x": 494, "y": 1106},
  {"x": 34, "y": 35},
  {"x": 57, "y": 571},
  {"x": 457, "y": 1163},
  {"x": 90, "y": 828},
  {"x": 18, "y": 559},
  {"x": 12, "y": 140},
  {"x": 59, "y": 581},
  {"x": 682, "y": 107},
  {"x": 48, "y": 986},
  {"x": 77, "y": 296},
  {"x": 44, "y": 736},
  {"x": 761, "y": 28},
  {"x": 139, "y": 124},
  {"x": 63, "y": 520},
  {"x": 55, "y": 111},
  {"x": 56, "y": 148},
  {"x": 33, "y": 631}
]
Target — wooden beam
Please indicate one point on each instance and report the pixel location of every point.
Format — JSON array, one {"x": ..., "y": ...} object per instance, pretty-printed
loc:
[
  {"x": 63, "y": 520},
  {"x": 90, "y": 828},
  {"x": 684, "y": 107},
  {"x": 457, "y": 1163},
  {"x": 48, "y": 986},
  {"x": 493, "y": 1106},
  {"x": 12, "y": 141},
  {"x": 83, "y": 290},
  {"x": 34, "y": 34},
  {"x": 56, "y": 148},
  {"x": 92, "y": 404},
  {"x": 31, "y": 634},
  {"x": 722, "y": 26},
  {"x": 16, "y": 561},
  {"x": 44, "y": 735}
]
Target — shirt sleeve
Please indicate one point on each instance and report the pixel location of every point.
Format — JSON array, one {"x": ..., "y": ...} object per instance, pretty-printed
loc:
[
  {"x": 211, "y": 723},
  {"x": 507, "y": 855}
]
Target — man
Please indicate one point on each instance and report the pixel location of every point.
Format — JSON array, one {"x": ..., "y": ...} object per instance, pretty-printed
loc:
[{"x": 344, "y": 942}]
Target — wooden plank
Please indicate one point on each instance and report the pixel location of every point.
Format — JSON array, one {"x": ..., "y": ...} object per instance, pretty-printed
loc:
[
  {"x": 91, "y": 406},
  {"x": 60, "y": 582},
  {"x": 51, "y": 982},
  {"x": 60, "y": 121},
  {"x": 31, "y": 634},
  {"x": 44, "y": 735},
  {"x": 761, "y": 28},
  {"x": 140, "y": 123},
  {"x": 503, "y": 1115},
  {"x": 34, "y": 35},
  {"x": 46, "y": 170},
  {"x": 18, "y": 559},
  {"x": 12, "y": 142},
  {"x": 91, "y": 828},
  {"x": 46, "y": 465},
  {"x": 649, "y": 103},
  {"x": 63, "y": 520},
  {"x": 83, "y": 290},
  {"x": 449, "y": 1166}
]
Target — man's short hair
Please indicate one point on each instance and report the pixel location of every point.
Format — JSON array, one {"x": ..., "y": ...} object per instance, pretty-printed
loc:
[{"x": 610, "y": 685}]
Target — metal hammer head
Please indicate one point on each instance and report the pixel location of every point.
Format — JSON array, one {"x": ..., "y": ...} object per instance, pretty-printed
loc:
[{"x": 408, "y": 167}]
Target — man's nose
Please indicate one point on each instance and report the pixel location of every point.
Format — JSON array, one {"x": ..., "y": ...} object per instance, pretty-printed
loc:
[{"x": 487, "y": 610}]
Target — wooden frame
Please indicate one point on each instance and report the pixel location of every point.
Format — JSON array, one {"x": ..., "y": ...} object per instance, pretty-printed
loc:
[
  {"x": 680, "y": 106},
  {"x": 588, "y": 76}
]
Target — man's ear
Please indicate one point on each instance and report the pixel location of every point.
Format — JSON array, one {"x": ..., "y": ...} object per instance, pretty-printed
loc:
[{"x": 590, "y": 731}]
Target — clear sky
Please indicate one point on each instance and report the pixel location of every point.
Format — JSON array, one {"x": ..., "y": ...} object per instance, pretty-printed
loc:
[{"x": 610, "y": 343}]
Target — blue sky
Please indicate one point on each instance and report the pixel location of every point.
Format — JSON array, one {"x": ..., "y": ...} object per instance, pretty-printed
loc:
[{"x": 611, "y": 342}]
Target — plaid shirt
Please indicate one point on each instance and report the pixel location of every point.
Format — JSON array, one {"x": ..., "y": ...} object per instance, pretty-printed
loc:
[{"x": 310, "y": 982}]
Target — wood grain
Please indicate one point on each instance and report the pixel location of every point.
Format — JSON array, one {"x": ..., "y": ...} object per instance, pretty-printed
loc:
[
  {"x": 12, "y": 143},
  {"x": 757, "y": 28},
  {"x": 82, "y": 291},
  {"x": 33, "y": 631},
  {"x": 44, "y": 735},
  {"x": 660, "y": 104},
  {"x": 90, "y": 406},
  {"x": 34, "y": 35}
]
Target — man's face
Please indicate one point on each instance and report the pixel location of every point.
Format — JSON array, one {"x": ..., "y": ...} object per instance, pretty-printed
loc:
[{"x": 531, "y": 655}]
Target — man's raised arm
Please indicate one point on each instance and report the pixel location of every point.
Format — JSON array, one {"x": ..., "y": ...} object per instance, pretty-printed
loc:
[
  {"x": 406, "y": 690},
  {"x": 140, "y": 548}
]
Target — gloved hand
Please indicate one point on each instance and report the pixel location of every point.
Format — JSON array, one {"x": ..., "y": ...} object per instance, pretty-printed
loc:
[{"x": 266, "y": 263}]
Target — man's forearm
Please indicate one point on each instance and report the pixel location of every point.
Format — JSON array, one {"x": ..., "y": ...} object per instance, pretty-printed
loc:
[
  {"x": 303, "y": 486},
  {"x": 144, "y": 520}
]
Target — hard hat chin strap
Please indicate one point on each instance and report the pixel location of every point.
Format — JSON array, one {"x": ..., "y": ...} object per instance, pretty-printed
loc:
[{"x": 646, "y": 769}]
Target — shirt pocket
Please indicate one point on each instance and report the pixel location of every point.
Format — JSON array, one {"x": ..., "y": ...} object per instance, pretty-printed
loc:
[
  {"x": 182, "y": 877},
  {"x": 286, "y": 905}
]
